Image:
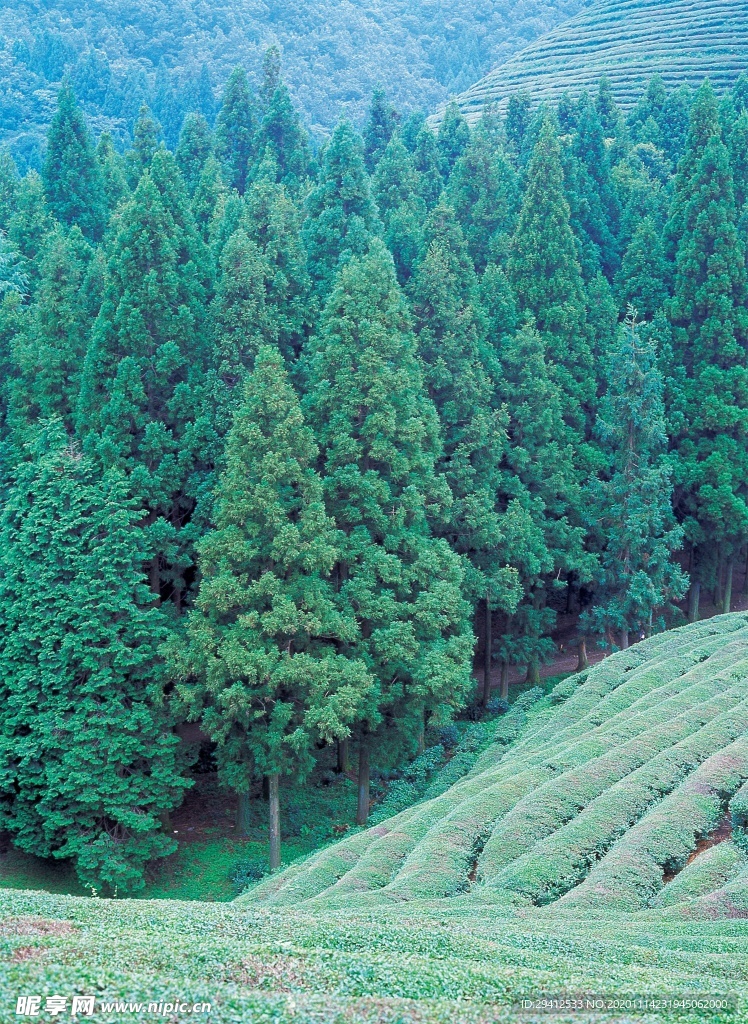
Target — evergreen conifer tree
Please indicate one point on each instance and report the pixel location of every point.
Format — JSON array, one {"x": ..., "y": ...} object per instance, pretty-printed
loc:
[
  {"x": 545, "y": 275},
  {"x": 195, "y": 146},
  {"x": 710, "y": 345},
  {"x": 112, "y": 171},
  {"x": 426, "y": 161},
  {"x": 263, "y": 667},
  {"x": 642, "y": 279},
  {"x": 453, "y": 138},
  {"x": 89, "y": 760},
  {"x": 141, "y": 402},
  {"x": 282, "y": 138},
  {"x": 396, "y": 188},
  {"x": 632, "y": 503},
  {"x": 379, "y": 435},
  {"x": 146, "y": 138},
  {"x": 382, "y": 122},
  {"x": 72, "y": 179},
  {"x": 341, "y": 212},
  {"x": 236, "y": 127}
]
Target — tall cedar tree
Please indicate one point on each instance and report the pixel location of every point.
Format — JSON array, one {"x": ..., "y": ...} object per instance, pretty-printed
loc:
[
  {"x": 451, "y": 334},
  {"x": 236, "y": 127},
  {"x": 539, "y": 495},
  {"x": 72, "y": 179},
  {"x": 89, "y": 759},
  {"x": 273, "y": 221},
  {"x": 396, "y": 188},
  {"x": 263, "y": 668},
  {"x": 194, "y": 148},
  {"x": 49, "y": 353},
  {"x": 546, "y": 277},
  {"x": 452, "y": 139},
  {"x": 632, "y": 504},
  {"x": 145, "y": 142},
  {"x": 242, "y": 321},
  {"x": 642, "y": 279},
  {"x": 483, "y": 192},
  {"x": 427, "y": 162},
  {"x": 708, "y": 312},
  {"x": 341, "y": 212},
  {"x": 380, "y": 127},
  {"x": 379, "y": 434},
  {"x": 141, "y": 403},
  {"x": 283, "y": 138}
]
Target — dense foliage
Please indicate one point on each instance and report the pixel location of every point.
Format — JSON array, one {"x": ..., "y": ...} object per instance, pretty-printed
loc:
[{"x": 353, "y": 409}]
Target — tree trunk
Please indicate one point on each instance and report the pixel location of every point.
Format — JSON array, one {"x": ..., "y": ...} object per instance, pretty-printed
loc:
[
  {"x": 504, "y": 692},
  {"x": 362, "y": 813},
  {"x": 274, "y": 820},
  {"x": 718, "y": 589},
  {"x": 582, "y": 660},
  {"x": 242, "y": 815},
  {"x": 265, "y": 788},
  {"x": 727, "y": 596},
  {"x": 694, "y": 594},
  {"x": 487, "y": 655},
  {"x": 745, "y": 577},
  {"x": 422, "y": 733},
  {"x": 533, "y": 672},
  {"x": 343, "y": 758},
  {"x": 154, "y": 578},
  {"x": 624, "y": 639}
]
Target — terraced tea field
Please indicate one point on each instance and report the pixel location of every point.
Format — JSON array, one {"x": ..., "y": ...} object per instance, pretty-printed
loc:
[
  {"x": 627, "y": 40},
  {"x": 597, "y": 846}
]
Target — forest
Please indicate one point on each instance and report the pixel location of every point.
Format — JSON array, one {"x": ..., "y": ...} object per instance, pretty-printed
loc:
[
  {"x": 177, "y": 56},
  {"x": 293, "y": 439}
]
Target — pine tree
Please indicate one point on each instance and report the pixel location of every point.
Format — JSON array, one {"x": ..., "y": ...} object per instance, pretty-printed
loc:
[
  {"x": 519, "y": 117},
  {"x": 195, "y": 146},
  {"x": 589, "y": 188},
  {"x": 631, "y": 505},
  {"x": 236, "y": 127},
  {"x": 546, "y": 277},
  {"x": 539, "y": 496},
  {"x": 380, "y": 127},
  {"x": 9, "y": 182},
  {"x": 608, "y": 111},
  {"x": 209, "y": 197},
  {"x": 263, "y": 667},
  {"x": 341, "y": 212},
  {"x": 89, "y": 760},
  {"x": 427, "y": 162},
  {"x": 112, "y": 172},
  {"x": 242, "y": 321},
  {"x": 379, "y": 436},
  {"x": 72, "y": 180},
  {"x": 29, "y": 225},
  {"x": 140, "y": 405}
]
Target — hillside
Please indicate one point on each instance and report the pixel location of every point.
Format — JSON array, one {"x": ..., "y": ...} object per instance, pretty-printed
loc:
[
  {"x": 629, "y": 41},
  {"x": 581, "y": 854},
  {"x": 121, "y": 54}
]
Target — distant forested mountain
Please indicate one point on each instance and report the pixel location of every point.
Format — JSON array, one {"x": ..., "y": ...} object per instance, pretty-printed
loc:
[{"x": 177, "y": 56}]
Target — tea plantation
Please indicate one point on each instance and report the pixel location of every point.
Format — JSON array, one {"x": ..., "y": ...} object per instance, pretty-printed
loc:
[
  {"x": 628, "y": 41},
  {"x": 596, "y": 847}
]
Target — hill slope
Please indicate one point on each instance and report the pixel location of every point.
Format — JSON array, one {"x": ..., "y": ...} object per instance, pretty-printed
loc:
[
  {"x": 577, "y": 856},
  {"x": 629, "y": 41}
]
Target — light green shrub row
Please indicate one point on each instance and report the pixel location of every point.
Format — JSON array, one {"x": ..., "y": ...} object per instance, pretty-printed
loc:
[
  {"x": 632, "y": 872},
  {"x": 556, "y": 802},
  {"x": 560, "y": 862},
  {"x": 711, "y": 870}
]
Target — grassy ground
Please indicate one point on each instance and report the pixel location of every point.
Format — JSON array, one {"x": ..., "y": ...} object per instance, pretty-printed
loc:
[{"x": 578, "y": 846}]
